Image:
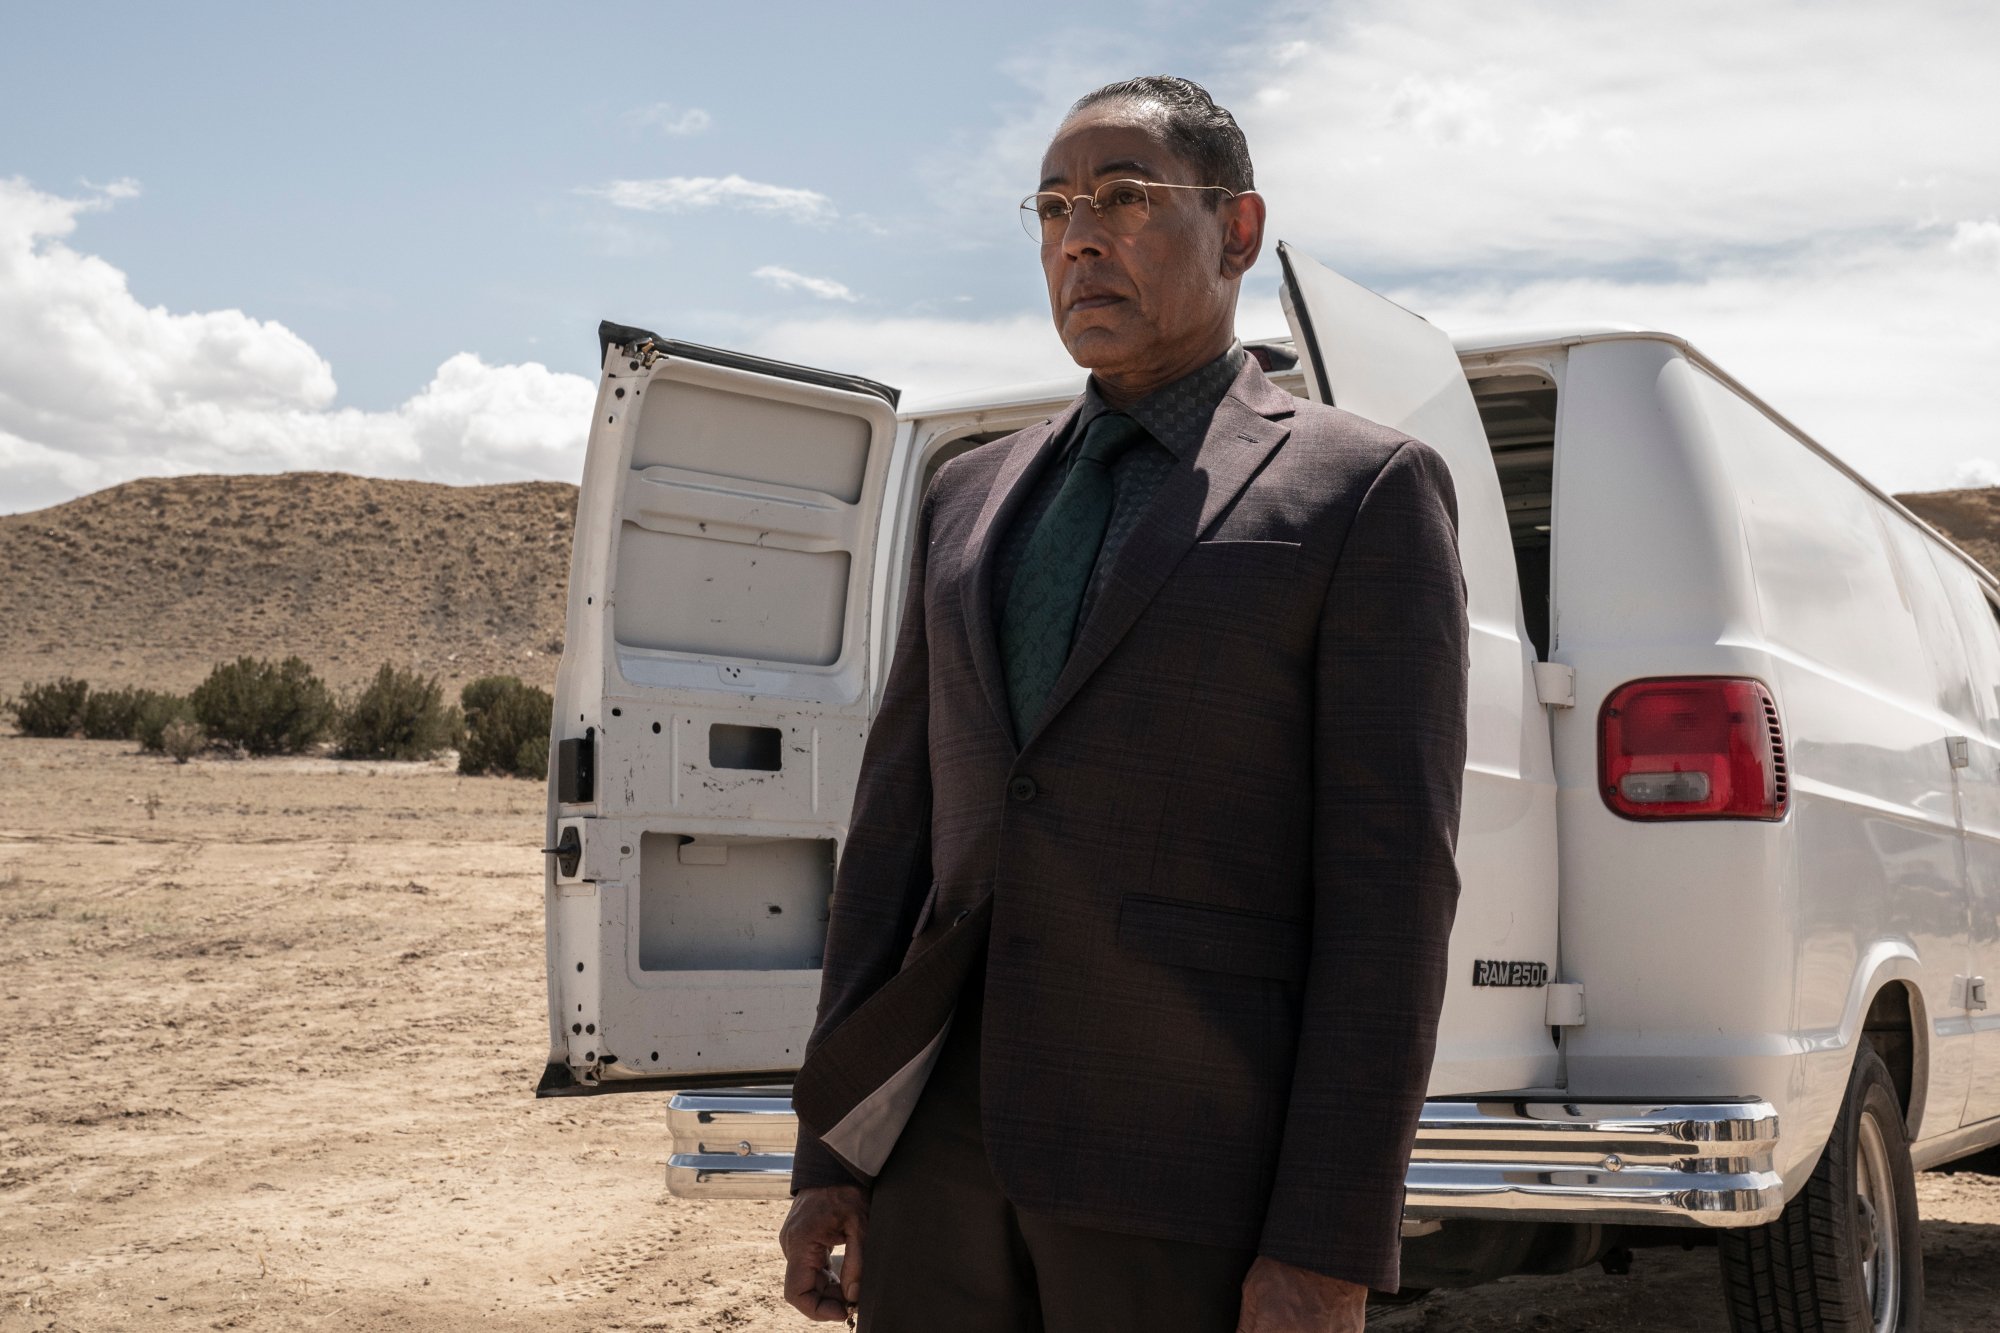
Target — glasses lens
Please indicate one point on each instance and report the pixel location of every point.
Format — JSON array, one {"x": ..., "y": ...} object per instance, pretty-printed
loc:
[
  {"x": 1044, "y": 216},
  {"x": 1123, "y": 206}
]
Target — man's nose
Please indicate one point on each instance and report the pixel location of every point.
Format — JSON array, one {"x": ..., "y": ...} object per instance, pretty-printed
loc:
[{"x": 1085, "y": 234}]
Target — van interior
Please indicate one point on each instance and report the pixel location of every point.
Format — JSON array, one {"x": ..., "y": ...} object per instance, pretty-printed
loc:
[{"x": 1519, "y": 412}]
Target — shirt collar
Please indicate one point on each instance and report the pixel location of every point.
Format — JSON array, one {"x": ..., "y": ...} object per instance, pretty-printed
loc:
[{"x": 1177, "y": 414}]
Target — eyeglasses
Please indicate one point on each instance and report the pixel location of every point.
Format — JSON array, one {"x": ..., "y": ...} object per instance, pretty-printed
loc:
[{"x": 1123, "y": 206}]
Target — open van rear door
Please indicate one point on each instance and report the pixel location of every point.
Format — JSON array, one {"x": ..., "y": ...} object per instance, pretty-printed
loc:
[
  {"x": 1370, "y": 356},
  {"x": 710, "y": 710}
]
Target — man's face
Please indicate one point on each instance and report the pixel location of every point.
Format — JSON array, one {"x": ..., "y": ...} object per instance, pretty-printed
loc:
[{"x": 1155, "y": 302}]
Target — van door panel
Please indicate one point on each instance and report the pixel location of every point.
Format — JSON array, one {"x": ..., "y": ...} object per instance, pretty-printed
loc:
[
  {"x": 718, "y": 655},
  {"x": 1370, "y": 356}
]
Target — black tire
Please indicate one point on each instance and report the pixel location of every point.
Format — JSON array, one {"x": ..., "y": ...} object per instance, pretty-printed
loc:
[{"x": 1819, "y": 1267}]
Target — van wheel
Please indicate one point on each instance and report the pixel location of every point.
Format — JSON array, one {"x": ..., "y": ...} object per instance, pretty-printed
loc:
[{"x": 1844, "y": 1256}]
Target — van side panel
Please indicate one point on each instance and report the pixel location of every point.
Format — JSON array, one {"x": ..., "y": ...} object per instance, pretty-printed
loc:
[
  {"x": 1696, "y": 536},
  {"x": 1678, "y": 931},
  {"x": 1869, "y": 674}
]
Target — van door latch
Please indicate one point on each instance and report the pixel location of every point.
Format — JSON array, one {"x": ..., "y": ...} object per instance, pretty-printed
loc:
[
  {"x": 1975, "y": 993},
  {"x": 1960, "y": 750},
  {"x": 1555, "y": 684},
  {"x": 568, "y": 852}
]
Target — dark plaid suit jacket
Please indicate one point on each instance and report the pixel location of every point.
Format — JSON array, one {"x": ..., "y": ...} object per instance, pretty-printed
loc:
[{"x": 1215, "y": 886}]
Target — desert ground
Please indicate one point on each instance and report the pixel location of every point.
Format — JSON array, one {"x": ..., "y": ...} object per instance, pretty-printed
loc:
[{"x": 270, "y": 1032}]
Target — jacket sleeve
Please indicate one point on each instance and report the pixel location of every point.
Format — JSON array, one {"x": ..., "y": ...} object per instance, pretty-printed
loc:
[
  {"x": 1389, "y": 737},
  {"x": 885, "y": 868}
]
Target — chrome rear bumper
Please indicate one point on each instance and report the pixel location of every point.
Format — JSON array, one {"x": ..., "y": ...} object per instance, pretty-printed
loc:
[
  {"x": 731, "y": 1143},
  {"x": 1701, "y": 1164},
  {"x": 1687, "y": 1164}
]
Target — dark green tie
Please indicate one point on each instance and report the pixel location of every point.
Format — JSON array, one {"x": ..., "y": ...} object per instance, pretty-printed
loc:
[{"x": 1047, "y": 593}]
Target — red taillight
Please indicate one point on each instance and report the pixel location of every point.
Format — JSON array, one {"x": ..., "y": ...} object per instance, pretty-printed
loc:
[{"x": 1706, "y": 747}]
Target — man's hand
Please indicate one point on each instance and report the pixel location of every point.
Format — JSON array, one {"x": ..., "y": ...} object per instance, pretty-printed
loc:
[
  {"x": 1281, "y": 1298},
  {"x": 820, "y": 1219}
]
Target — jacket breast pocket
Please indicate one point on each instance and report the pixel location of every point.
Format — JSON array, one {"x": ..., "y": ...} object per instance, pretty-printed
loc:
[
  {"x": 1213, "y": 939},
  {"x": 1233, "y": 559}
]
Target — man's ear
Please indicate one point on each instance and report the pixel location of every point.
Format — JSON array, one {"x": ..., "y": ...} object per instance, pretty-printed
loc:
[{"x": 1243, "y": 234}]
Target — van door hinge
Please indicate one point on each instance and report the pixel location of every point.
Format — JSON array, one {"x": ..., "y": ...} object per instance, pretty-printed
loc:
[
  {"x": 1555, "y": 684},
  {"x": 1565, "y": 1004}
]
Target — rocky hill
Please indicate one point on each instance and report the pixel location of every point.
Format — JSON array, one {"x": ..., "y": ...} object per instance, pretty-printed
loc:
[
  {"x": 153, "y": 582},
  {"x": 1969, "y": 518}
]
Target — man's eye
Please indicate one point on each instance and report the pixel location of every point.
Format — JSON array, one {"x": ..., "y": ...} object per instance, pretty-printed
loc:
[
  {"x": 1048, "y": 210},
  {"x": 1125, "y": 194}
]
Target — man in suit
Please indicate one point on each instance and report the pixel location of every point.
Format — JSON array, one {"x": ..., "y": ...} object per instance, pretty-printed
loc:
[{"x": 1138, "y": 939}]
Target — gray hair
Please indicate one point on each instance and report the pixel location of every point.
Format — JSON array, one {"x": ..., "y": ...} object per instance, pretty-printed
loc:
[{"x": 1195, "y": 127}]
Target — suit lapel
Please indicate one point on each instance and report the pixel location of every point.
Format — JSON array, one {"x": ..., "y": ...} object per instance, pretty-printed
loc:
[
  {"x": 1248, "y": 425},
  {"x": 982, "y": 548}
]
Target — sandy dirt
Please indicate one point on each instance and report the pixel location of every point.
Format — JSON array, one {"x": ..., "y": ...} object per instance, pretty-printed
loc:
[{"x": 270, "y": 1033}]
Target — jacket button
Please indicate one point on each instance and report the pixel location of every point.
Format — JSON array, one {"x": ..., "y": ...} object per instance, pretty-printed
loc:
[{"x": 1022, "y": 789}]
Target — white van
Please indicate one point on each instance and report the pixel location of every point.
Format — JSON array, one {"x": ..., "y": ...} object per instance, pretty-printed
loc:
[{"x": 1731, "y": 835}]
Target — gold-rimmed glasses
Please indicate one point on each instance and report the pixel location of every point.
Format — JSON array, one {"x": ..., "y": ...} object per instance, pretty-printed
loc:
[{"x": 1123, "y": 206}]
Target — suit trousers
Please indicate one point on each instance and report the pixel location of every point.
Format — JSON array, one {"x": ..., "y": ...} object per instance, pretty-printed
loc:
[{"x": 945, "y": 1250}]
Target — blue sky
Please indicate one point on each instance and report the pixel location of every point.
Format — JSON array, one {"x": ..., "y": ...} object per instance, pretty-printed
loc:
[
  {"x": 379, "y": 238},
  {"x": 398, "y": 182}
]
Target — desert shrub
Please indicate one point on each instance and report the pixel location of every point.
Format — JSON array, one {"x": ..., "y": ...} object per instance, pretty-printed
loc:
[
  {"x": 532, "y": 759},
  {"x": 264, "y": 707},
  {"x": 113, "y": 715},
  {"x": 400, "y": 715},
  {"x": 52, "y": 708},
  {"x": 183, "y": 738},
  {"x": 506, "y": 727},
  {"x": 155, "y": 715}
]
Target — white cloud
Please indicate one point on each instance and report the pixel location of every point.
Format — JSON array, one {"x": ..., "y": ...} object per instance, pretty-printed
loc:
[
  {"x": 1980, "y": 240},
  {"x": 787, "y": 281},
  {"x": 1558, "y": 137},
  {"x": 122, "y": 188},
  {"x": 1541, "y": 164},
  {"x": 96, "y": 388},
  {"x": 1442, "y": 113},
  {"x": 1883, "y": 352},
  {"x": 669, "y": 119},
  {"x": 924, "y": 356},
  {"x": 1975, "y": 472},
  {"x": 680, "y": 194}
]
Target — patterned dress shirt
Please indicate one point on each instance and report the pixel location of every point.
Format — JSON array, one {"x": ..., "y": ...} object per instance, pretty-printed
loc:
[{"x": 1176, "y": 419}]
